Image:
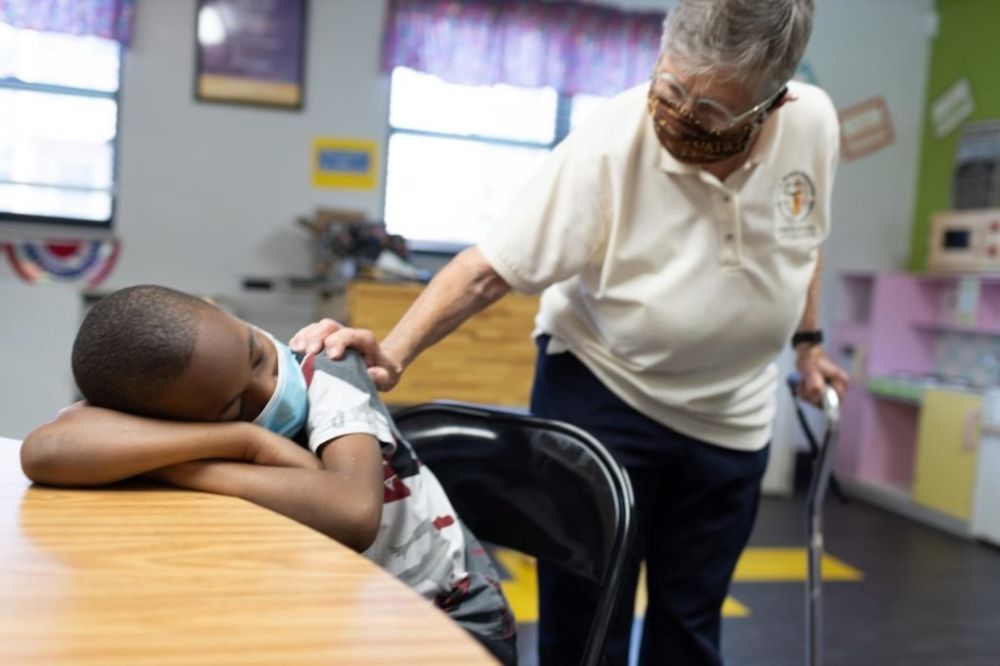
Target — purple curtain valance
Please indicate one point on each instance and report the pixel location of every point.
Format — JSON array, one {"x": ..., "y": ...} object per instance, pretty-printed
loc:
[
  {"x": 110, "y": 19},
  {"x": 572, "y": 47}
]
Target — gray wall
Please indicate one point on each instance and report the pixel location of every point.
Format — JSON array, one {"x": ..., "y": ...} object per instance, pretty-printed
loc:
[
  {"x": 862, "y": 49},
  {"x": 208, "y": 192},
  {"x": 221, "y": 184}
]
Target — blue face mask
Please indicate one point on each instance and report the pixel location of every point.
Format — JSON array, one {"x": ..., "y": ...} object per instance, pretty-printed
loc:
[{"x": 285, "y": 413}]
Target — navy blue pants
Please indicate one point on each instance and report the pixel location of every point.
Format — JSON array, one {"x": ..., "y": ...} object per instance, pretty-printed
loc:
[{"x": 695, "y": 506}]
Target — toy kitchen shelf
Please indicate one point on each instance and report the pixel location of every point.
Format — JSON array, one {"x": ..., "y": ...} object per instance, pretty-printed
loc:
[{"x": 919, "y": 349}]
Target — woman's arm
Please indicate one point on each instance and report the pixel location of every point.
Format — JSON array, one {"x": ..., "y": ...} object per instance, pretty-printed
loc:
[
  {"x": 810, "y": 360},
  {"x": 90, "y": 446},
  {"x": 465, "y": 286},
  {"x": 343, "y": 500}
]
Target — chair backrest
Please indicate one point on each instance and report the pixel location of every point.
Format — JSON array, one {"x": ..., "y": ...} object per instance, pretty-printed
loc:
[{"x": 541, "y": 487}]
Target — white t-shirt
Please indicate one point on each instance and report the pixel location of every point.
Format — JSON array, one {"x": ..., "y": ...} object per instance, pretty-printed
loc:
[
  {"x": 420, "y": 540},
  {"x": 676, "y": 290}
]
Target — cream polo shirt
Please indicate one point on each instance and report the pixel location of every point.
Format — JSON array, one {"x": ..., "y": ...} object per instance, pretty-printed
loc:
[{"x": 676, "y": 290}]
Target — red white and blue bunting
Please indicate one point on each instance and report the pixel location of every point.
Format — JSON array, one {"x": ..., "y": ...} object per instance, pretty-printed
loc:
[{"x": 87, "y": 261}]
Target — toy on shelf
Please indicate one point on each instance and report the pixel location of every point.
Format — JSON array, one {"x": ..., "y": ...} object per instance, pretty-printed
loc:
[{"x": 347, "y": 245}]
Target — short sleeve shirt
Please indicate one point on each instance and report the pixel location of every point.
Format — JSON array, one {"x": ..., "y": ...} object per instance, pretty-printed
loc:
[
  {"x": 420, "y": 540},
  {"x": 675, "y": 289}
]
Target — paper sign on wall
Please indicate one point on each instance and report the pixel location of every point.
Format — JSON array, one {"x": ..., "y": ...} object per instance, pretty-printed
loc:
[
  {"x": 344, "y": 163},
  {"x": 865, "y": 128},
  {"x": 950, "y": 109}
]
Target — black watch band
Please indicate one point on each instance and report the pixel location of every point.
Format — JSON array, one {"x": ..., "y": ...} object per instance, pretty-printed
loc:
[{"x": 811, "y": 337}]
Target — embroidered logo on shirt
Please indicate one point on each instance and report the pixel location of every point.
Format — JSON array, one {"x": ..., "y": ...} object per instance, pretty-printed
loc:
[{"x": 796, "y": 198}]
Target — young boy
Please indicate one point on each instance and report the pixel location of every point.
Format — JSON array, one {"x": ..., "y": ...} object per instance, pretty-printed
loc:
[{"x": 182, "y": 392}]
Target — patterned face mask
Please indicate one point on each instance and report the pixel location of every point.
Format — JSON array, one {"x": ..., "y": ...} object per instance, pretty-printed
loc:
[{"x": 690, "y": 142}]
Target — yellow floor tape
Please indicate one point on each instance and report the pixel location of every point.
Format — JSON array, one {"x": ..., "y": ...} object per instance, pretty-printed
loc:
[
  {"x": 788, "y": 565},
  {"x": 756, "y": 565}
]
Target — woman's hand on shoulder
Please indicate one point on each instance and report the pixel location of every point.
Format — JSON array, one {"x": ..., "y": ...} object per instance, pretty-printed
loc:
[
  {"x": 335, "y": 339},
  {"x": 311, "y": 339}
]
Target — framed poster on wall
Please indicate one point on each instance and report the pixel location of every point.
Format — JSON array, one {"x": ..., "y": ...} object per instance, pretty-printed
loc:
[{"x": 250, "y": 52}]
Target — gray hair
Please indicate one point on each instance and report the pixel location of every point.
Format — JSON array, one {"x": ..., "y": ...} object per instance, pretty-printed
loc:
[{"x": 758, "y": 41}]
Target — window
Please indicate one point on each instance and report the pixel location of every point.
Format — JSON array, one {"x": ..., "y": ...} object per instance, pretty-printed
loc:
[
  {"x": 458, "y": 153},
  {"x": 58, "y": 126}
]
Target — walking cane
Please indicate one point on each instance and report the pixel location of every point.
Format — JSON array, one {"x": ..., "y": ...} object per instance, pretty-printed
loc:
[{"x": 822, "y": 468}]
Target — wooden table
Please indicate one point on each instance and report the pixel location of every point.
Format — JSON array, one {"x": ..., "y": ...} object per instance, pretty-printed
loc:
[{"x": 142, "y": 575}]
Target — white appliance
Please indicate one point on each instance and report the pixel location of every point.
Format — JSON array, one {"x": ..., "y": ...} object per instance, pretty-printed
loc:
[{"x": 966, "y": 241}]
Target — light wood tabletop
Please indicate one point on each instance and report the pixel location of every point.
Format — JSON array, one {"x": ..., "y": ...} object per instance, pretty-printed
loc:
[{"x": 144, "y": 575}]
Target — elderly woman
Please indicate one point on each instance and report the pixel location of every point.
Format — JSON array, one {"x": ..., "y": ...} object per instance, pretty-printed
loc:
[{"x": 675, "y": 237}]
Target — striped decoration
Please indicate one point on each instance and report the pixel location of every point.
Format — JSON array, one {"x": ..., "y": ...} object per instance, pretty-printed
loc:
[{"x": 47, "y": 262}]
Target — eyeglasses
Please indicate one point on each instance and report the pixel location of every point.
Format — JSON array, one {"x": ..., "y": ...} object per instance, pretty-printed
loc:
[{"x": 707, "y": 112}]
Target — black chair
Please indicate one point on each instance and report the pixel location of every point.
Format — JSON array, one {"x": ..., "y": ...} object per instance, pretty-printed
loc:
[{"x": 544, "y": 488}]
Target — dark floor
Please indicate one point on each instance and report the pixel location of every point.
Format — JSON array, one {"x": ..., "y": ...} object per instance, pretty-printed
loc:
[{"x": 927, "y": 598}]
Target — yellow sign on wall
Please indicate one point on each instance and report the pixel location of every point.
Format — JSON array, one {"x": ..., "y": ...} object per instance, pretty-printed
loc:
[{"x": 344, "y": 163}]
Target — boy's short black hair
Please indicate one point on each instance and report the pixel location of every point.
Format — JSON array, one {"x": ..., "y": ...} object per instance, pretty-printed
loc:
[{"x": 132, "y": 343}]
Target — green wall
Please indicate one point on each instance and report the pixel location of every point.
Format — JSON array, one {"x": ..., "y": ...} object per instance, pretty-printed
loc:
[{"x": 966, "y": 46}]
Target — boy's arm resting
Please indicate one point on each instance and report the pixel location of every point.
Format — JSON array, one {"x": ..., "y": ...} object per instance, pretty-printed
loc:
[
  {"x": 343, "y": 500},
  {"x": 90, "y": 446}
]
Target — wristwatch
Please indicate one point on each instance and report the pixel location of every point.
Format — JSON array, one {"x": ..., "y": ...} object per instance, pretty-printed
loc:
[{"x": 811, "y": 337}]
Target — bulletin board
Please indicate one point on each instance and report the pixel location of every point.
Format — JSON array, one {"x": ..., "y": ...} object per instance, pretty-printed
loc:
[{"x": 250, "y": 52}]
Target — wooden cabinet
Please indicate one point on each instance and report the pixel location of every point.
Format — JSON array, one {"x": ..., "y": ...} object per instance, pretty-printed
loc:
[
  {"x": 947, "y": 443},
  {"x": 489, "y": 359}
]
